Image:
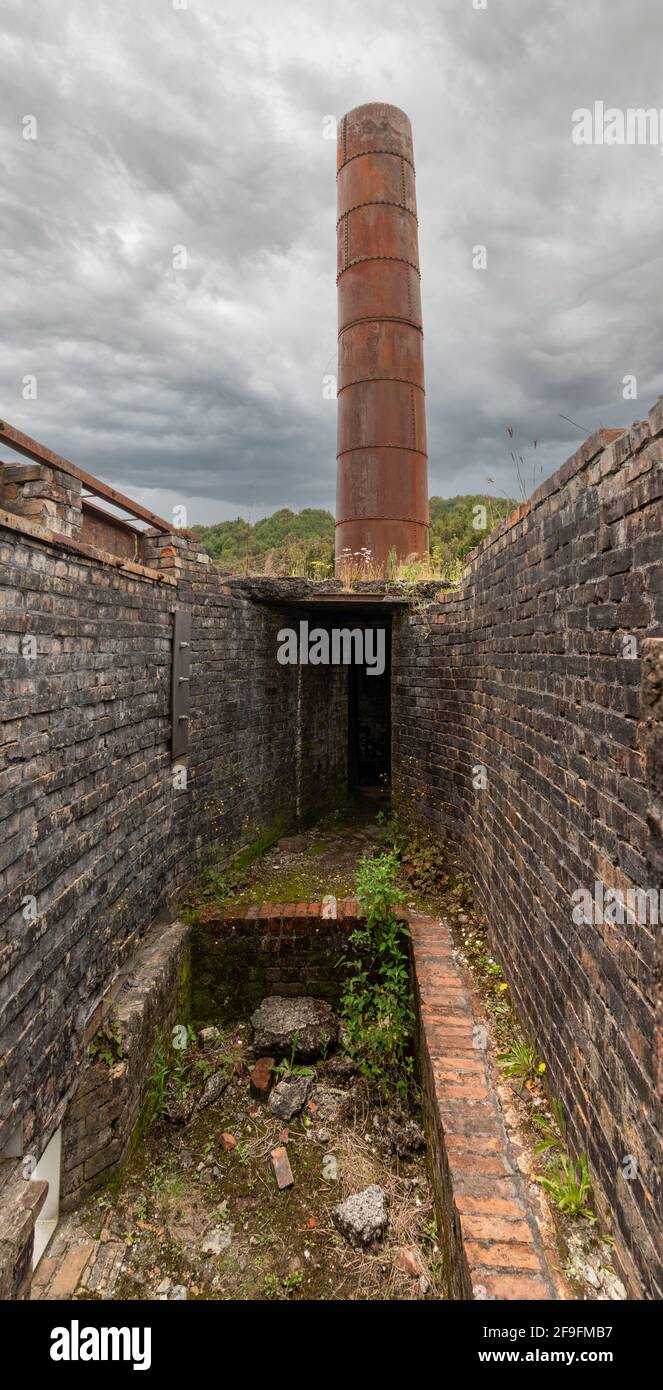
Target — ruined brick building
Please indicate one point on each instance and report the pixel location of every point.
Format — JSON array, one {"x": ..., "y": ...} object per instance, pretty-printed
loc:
[{"x": 127, "y": 658}]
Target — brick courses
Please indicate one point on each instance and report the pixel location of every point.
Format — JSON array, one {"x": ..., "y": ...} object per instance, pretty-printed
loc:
[
  {"x": 523, "y": 672},
  {"x": 95, "y": 829},
  {"x": 240, "y": 955},
  {"x": 492, "y": 1246}
]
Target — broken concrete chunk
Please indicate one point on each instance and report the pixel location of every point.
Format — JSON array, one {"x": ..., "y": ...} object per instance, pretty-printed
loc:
[
  {"x": 331, "y": 1105},
  {"x": 179, "y": 1108},
  {"x": 402, "y": 1135},
  {"x": 362, "y": 1218},
  {"x": 308, "y": 1024},
  {"x": 289, "y": 1096},
  {"x": 281, "y": 1166},
  {"x": 341, "y": 1070}
]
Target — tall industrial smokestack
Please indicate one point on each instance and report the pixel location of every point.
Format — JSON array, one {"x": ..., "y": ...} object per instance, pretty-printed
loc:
[{"x": 382, "y": 459}]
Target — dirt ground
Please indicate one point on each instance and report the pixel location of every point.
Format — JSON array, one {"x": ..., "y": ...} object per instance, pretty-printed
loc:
[
  {"x": 196, "y": 1213},
  {"x": 200, "y": 1214}
]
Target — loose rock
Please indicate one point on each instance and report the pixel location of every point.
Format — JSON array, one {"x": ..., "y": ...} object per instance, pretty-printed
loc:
[
  {"x": 213, "y": 1089},
  {"x": 293, "y": 844},
  {"x": 208, "y": 1037},
  {"x": 406, "y": 1261},
  {"x": 210, "y": 1174},
  {"x": 167, "y": 1290},
  {"x": 277, "y": 1020},
  {"x": 331, "y": 1105},
  {"x": 341, "y": 1070},
  {"x": 217, "y": 1240},
  {"x": 179, "y": 1109},
  {"x": 362, "y": 1218},
  {"x": 289, "y": 1097}
]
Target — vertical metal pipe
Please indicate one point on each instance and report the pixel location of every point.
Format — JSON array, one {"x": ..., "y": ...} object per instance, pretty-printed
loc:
[{"x": 382, "y": 458}]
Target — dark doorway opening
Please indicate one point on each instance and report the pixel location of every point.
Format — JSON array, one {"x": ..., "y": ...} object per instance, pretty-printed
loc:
[{"x": 369, "y": 724}]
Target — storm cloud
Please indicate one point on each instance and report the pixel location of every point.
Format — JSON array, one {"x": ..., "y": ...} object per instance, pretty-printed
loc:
[{"x": 169, "y": 236}]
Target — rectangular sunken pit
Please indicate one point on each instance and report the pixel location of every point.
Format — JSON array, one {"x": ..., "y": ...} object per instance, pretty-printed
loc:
[{"x": 241, "y": 954}]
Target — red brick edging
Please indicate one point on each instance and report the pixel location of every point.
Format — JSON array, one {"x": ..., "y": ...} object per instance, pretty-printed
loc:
[{"x": 493, "y": 1247}]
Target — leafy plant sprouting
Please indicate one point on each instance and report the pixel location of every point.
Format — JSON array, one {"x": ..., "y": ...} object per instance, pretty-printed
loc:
[
  {"x": 292, "y": 1281},
  {"x": 377, "y": 1007},
  {"x": 107, "y": 1045},
  {"x": 553, "y": 1131},
  {"x": 521, "y": 1061},
  {"x": 291, "y": 1067},
  {"x": 569, "y": 1186},
  {"x": 159, "y": 1078},
  {"x": 168, "y": 1075},
  {"x": 425, "y": 864}
]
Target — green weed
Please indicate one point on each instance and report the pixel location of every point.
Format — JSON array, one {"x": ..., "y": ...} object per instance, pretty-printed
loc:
[
  {"x": 291, "y": 1068},
  {"x": 569, "y": 1186},
  {"x": 107, "y": 1045},
  {"x": 376, "y": 1006},
  {"x": 521, "y": 1061}
]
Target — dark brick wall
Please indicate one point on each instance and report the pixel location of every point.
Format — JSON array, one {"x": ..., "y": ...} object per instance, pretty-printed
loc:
[
  {"x": 93, "y": 827},
  {"x": 240, "y": 956},
  {"x": 268, "y": 742},
  {"x": 523, "y": 672},
  {"x": 86, "y": 806},
  {"x": 652, "y": 711}
]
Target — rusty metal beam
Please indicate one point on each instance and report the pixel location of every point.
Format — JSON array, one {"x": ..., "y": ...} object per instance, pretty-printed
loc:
[
  {"x": 101, "y": 514},
  {"x": 39, "y": 453},
  {"x": 382, "y": 454}
]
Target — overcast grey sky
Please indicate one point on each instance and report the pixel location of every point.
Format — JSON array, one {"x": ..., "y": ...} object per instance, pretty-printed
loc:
[{"x": 202, "y": 127}]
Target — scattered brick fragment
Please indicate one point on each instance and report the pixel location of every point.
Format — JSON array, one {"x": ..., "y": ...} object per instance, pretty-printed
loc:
[
  {"x": 261, "y": 1078},
  {"x": 406, "y": 1261},
  {"x": 282, "y": 1169}
]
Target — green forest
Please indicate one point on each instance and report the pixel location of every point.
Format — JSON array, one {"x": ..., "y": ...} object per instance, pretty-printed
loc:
[{"x": 302, "y": 543}]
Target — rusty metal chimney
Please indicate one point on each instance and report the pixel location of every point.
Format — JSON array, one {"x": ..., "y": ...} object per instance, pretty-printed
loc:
[{"x": 382, "y": 459}]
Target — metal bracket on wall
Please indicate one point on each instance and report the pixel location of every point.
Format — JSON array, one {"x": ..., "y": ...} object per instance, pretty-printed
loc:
[{"x": 180, "y": 682}]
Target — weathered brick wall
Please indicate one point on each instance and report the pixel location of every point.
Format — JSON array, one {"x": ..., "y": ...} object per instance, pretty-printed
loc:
[
  {"x": 112, "y": 1093},
  {"x": 86, "y": 805},
  {"x": 268, "y": 742},
  {"x": 524, "y": 672},
  {"x": 240, "y": 955},
  {"x": 652, "y": 711},
  {"x": 97, "y": 838}
]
